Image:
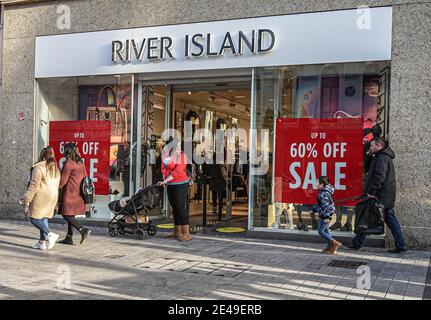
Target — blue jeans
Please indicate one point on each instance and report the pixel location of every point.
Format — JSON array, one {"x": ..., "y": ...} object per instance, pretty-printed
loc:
[
  {"x": 324, "y": 231},
  {"x": 393, "y": 225},
  {"x": 42, "y": 225}
]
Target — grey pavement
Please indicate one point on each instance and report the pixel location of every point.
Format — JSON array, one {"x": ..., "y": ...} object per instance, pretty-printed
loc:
[{"x": 208, "y": 267}]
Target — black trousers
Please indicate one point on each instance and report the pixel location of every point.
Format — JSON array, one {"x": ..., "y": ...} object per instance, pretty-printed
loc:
[
  {"x": 178, "y": 196},
  {"x": 72, "y": 223},
  {"x": 218, "y": 194},
  {"x": 126, "y": 181}
]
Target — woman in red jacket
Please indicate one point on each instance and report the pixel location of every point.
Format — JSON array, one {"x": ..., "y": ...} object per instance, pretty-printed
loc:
[
  {"x": 72, "y": 204},
  {"x": 174, "y": 163}
]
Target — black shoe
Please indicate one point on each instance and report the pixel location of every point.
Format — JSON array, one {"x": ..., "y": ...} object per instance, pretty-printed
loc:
[
  {"x": 336, "y": 226},
  {"x": 84, "y": 234},
  {"x": 347, "y": 227},
  {"x": 68, "y": 240},
  {"x": 300, "y": 226},
  {"x": 351, "y": 246},
  {"x": 398, "y": 250}
]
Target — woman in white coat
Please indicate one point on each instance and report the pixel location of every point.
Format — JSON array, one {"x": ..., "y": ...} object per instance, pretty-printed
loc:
[{"x": 41, "y": 197}]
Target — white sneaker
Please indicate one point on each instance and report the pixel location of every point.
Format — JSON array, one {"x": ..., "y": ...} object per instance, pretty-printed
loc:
[
  {"x": 40, "y": 246},
  {"x": 52, "y": 239}
]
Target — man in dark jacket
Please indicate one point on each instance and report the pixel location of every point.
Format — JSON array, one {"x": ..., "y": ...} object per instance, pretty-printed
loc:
[{"x": 381, "y": 184}]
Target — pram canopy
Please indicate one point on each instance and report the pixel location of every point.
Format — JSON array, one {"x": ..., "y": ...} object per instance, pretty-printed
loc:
[{"x": 148, "y": 198}]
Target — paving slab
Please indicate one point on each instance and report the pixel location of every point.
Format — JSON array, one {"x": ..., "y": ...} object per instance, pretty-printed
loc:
[{"x": 208, "y": 267}]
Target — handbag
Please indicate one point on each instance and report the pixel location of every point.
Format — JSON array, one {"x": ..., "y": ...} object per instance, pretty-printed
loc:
[
  {"x": 87, "y": 189},
  {"x": 115, "y": 113}
]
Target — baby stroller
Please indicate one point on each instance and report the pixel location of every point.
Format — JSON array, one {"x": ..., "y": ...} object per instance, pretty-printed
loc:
[{"x": 127, "y": 217}]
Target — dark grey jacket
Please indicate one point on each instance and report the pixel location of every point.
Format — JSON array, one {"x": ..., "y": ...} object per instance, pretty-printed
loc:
[{"x": 381, "y": 178}]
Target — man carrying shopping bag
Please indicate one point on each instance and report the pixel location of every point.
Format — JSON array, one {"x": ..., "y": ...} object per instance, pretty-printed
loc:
[{"x": 381, "y": 184}]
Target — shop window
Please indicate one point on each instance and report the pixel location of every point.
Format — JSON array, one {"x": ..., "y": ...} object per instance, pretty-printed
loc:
[
  {"x": 70, "y": 110},
  {"x": 297, "y": 107}
]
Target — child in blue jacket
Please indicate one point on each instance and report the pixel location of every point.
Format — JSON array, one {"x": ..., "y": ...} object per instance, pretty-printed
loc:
[{"x": 326, "y": 208}]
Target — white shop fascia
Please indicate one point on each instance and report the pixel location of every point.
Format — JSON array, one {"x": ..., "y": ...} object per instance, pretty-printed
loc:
[{"x": 302, "y": 39}]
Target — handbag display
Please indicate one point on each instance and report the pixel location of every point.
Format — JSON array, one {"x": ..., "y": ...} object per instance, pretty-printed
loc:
[
  {"x": 191, "y": 173},
  {"x": 115, "y": 113}
]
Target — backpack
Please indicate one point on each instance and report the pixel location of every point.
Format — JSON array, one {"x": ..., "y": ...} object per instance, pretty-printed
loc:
[{"x": 87, "y": 190}]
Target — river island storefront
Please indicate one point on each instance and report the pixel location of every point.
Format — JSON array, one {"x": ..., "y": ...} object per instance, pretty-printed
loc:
[{"x": 294, "y": 97}]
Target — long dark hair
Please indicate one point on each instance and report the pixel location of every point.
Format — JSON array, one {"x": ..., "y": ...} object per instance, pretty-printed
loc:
[
  {"x": 71, "y": 152},
  {"x": 47, "y": 155}
]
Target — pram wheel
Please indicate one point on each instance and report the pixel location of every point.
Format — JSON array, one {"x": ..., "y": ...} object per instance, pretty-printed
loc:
[
  {"x": 114, "y": 230},
  {"x": 139, "y": 234},
  {"x": 151, "y": 230}
]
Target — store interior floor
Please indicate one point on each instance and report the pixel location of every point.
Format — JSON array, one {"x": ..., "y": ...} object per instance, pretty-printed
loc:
[{"x": 237, "y": 223}]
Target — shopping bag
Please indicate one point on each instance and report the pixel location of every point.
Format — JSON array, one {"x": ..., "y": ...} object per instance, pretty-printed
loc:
[{"x": 369, "y": 217}]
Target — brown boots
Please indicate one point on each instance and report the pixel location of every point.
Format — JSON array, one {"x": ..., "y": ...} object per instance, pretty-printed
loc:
[
  {"x": 185, "y": 234},
  {"x": 177, "y": 230},
  {"x": 182, "y": 233},
  {"x": 335, "y": 245},
  {"x": 326, "y": 250}
]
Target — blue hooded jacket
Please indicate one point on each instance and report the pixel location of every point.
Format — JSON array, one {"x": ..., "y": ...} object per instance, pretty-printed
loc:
[{"x": 325, "y": 203}]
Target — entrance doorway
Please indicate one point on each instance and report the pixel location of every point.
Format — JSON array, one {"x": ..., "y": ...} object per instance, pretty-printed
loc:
[{"x": 217, "y": 107}]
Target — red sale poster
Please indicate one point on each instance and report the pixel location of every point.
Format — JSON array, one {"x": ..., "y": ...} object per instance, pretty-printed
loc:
[
  {"x": 93, "y": 140},
  {"x": 309, "y": 148}
]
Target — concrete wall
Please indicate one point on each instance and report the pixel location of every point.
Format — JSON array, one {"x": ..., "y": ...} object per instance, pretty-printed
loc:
[
  {"x": 411, "y": 78},
  {"x": 410, "y": 130},
  {"x": 57, "y": 100}
]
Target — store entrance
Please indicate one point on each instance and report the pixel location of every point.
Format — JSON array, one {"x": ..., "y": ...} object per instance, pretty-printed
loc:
[{"x": 219, "y": 196}]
